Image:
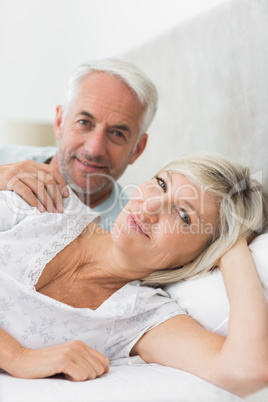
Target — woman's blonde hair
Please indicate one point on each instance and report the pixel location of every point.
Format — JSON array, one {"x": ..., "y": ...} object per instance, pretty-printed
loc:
[{"x": 243, "y": 210}]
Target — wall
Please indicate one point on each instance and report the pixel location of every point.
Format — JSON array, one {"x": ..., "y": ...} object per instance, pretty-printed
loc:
[
  {"x": 42, "y": 42},
  {"x": 211, "y": 71},
  {"x": 213, "y": 85}
]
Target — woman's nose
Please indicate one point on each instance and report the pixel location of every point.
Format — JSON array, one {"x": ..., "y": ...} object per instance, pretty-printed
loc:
[{"x": 151, "y": 210}]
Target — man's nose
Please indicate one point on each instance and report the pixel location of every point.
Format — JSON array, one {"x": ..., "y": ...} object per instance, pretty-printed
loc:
[{"x": 95, "y": 142}]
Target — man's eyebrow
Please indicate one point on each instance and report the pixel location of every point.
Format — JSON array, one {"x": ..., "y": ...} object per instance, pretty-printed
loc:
[
  {"x": 87, "y": 114},
  {"x": 123, "y": 127}
]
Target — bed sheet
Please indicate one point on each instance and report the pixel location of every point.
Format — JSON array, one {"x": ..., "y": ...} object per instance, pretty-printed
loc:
[
  {"x": 131, "y": 381},
  {"x": 124, "y": 383}
]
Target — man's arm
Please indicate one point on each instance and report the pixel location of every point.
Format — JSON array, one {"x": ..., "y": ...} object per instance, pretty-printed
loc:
[{"x": 238, "y": 363}]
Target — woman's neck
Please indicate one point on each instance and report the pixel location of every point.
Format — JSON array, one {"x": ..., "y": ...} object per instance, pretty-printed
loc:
[
  {"x": 107, "y": 266},
  {"x": 83, "y": 274},
  {"x": 101, "y": 267}
]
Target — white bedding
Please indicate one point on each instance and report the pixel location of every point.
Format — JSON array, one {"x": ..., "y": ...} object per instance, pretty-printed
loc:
[{"x": 132, "y": 382}]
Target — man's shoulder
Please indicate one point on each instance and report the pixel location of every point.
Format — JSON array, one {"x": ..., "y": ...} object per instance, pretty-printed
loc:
[{"x": 14, "y": 153}]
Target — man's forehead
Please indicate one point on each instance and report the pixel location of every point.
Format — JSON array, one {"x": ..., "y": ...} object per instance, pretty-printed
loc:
[{"x": 102, "y": 84}]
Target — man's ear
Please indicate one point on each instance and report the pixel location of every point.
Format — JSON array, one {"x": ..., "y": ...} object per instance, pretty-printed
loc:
[
  {"x": 58, "y": 122},
  {"x": 139, "y": 148}
]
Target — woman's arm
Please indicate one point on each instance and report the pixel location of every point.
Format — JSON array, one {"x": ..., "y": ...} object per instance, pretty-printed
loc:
[
  {"x": 238, "y": 363},
  {"x": 75, "y": 359},
  {"x": 248, "y": 321}
]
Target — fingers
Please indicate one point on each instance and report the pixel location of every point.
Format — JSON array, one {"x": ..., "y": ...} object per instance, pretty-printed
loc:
[
  {"x": 45, "y": 197},
  {"x": 53, "y": 177},
  {"x": 42, "y": 186},
  {"x": 76, "y": 360},
  {"x": 86, "y": 363},
  {"x": 26, "y": 193},
  {"x": 45, "y": 189}
]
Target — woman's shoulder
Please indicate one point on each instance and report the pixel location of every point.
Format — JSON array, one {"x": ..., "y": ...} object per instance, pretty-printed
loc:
[
  {"x": 29, "y": 239},
  {"x": 13, "y": 209},
  {"x": 74, "y": 206},
  {"x": 14, "y": 201},
  {"x": 144, "y": 297}
]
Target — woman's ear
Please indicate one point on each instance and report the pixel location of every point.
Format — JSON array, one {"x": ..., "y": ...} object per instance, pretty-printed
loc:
[{"x": 58, "y": 122}]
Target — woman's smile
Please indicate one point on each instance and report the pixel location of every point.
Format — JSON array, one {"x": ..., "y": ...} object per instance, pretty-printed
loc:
[
  {"x": 134, "y": 224},
  {"x": 171, "y": 213}
]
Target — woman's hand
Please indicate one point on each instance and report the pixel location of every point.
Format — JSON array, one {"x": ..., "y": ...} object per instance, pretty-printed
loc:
[{"x": 76, "y": 360}]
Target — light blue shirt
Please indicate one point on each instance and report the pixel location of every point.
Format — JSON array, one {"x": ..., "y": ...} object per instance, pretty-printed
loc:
[{"x": 108, "y": 210}]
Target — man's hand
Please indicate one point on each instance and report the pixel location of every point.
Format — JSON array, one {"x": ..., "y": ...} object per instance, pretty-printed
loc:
[
  {"x": 41, "y": 185},
  {"x": 76, "y": 360}
]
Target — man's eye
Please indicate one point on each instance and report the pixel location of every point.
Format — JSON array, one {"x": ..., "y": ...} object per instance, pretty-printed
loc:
[
  {"x": 83, "y": 122},
  {"x": 117, "y": 137},
  {"x": 118, "y": 134},
  {"x": 184, "y": 216},
  {"x": 161, "y": 183}
]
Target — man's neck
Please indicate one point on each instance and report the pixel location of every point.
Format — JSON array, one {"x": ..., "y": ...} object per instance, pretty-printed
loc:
[{"x": 93, "y": 200}]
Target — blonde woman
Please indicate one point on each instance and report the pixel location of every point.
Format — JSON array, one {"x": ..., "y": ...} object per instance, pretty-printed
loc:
[{"x": 76, "y": 297}]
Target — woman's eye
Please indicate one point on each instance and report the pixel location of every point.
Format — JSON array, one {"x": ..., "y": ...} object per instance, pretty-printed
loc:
[
  {"x": 161, "y": 183},
  {"x": 184, "y": 216}
]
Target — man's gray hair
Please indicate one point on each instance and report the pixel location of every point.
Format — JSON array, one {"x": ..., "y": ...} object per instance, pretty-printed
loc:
[{"x": 128, "y": 73}]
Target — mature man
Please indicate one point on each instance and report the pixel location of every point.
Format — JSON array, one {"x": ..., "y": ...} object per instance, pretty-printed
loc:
[{"x": 101, "y": 128}]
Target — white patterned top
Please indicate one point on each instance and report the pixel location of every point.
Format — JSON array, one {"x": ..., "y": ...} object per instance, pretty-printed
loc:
[{"x": 28, "y": 241}]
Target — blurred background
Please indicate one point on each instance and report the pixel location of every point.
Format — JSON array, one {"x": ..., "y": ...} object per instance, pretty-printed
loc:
[
  {"x": 208, "y": 59},
  {"x": 42, "y": 42}
]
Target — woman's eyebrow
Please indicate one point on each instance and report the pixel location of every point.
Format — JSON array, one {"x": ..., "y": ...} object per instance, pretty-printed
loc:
[
  {"x": 183, "y": 200},
  {"x": 191, "y": 207},
  {"x": 169, "y": 176}
]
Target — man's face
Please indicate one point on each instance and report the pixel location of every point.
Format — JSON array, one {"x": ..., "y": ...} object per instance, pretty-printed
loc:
[{"x": 99, "y": 135}]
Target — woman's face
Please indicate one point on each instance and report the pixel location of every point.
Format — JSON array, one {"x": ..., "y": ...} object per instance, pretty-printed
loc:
[{"x": 166, "y": 223}]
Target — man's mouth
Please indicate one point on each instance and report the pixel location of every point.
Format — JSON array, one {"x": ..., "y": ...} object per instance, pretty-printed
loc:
[{"x": 92, "y": 166}]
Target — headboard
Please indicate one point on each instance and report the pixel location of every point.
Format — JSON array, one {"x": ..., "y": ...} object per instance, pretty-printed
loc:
[{"x": 212, "y": 77}]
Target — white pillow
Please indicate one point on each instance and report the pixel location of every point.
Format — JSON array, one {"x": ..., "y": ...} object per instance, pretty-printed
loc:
[{"x": 205, "y": 298}]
